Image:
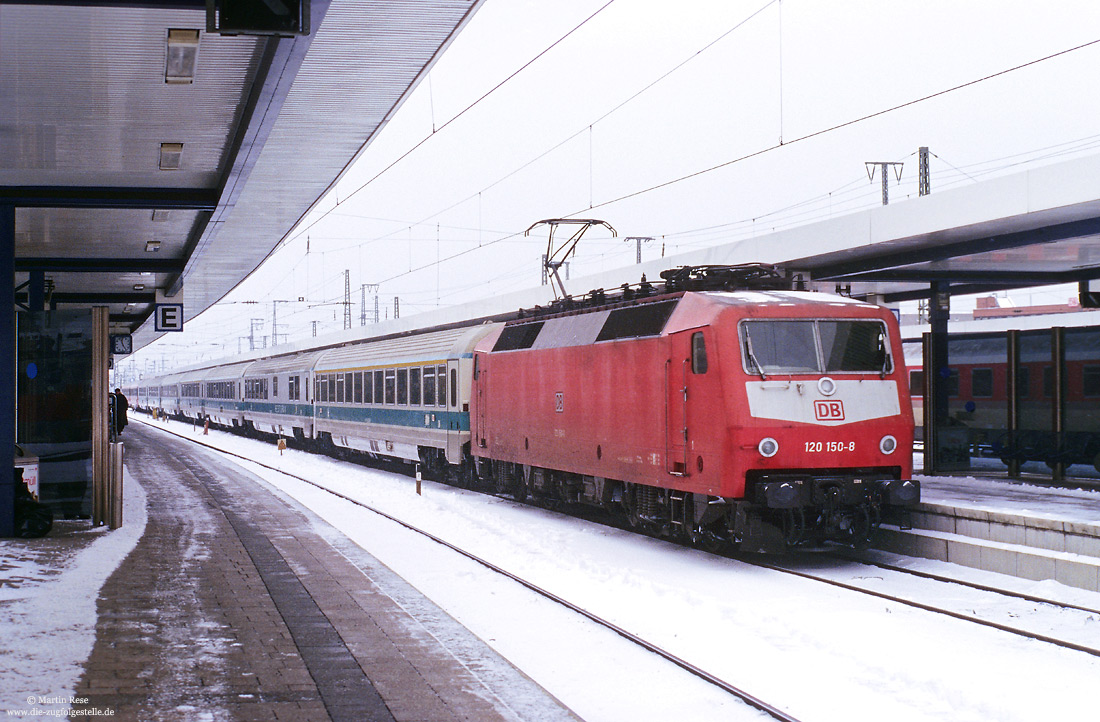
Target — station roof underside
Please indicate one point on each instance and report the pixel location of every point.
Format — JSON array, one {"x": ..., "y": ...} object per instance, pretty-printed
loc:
[{"x": 132, "y": 185}]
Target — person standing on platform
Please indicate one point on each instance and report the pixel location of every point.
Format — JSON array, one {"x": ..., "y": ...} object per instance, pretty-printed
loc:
[{"x": 121, "y": 405}]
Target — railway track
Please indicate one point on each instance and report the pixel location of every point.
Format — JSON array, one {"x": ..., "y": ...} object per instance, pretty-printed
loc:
[
  {"x": 777, "y": 567},
  {"x": 687, "y": 666},
  {"x": 970, "y": 585},
  {"x": 973, "y": 618}
]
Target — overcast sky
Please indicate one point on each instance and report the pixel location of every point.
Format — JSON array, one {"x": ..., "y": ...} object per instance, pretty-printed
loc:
[{"x": 644, "y": 93}]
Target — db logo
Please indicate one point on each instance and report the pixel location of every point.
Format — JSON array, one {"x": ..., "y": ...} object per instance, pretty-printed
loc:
[{"x": 829, "y": 410}]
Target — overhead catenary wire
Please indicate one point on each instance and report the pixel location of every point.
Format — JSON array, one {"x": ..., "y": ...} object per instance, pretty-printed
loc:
[
  {"x": 460, "y": 114},
  {"x": 838, "y": 126},
  {"x": 971, "y": 174},
  {"x": 762, "y": 151}
]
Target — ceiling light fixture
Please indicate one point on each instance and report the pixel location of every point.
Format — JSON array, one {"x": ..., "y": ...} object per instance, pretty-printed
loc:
[
  {"x": 139, "y": 286},
  {"x": 182, "y": 56},
  {"x": 161, "y": 215},
  {"x": 152, "y": 246},
  {"x": 170, "y": 156}
]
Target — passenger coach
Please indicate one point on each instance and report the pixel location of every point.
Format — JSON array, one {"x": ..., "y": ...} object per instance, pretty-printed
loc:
[{"x": 766, "y": 418}]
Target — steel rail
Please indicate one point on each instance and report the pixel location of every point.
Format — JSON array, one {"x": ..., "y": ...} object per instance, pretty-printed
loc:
[
  {"x": 930, "y": 608},
  {"x": 744, "y": 696},
  {"x": 971, "y": 585}
]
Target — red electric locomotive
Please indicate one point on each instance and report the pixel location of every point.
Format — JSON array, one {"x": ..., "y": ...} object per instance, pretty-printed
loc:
[{"x": 767, "y": 418}]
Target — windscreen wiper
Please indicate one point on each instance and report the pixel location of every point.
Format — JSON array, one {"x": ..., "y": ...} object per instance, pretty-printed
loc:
[{"x": 752, "y": 357}]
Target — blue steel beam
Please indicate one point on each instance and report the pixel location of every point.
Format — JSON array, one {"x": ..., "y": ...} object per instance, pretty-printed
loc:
[
  {"x": 7, "y": 371},
  {"x": 143, "y": 4},
  {"x": 97, "y": 299},
  {"x": 100, "y": 265},
  {"x": 189, "y": 199}
]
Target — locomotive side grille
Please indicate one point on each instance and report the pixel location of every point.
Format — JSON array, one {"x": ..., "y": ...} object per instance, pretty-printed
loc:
[
  {"x": 637, "y": 321},
  {"x": 517, "y": 337}
]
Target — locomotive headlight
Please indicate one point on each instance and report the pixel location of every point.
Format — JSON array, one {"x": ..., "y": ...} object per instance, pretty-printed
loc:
[
  {"x": 768, "y": 447},
  {"x": 888, "y": 444}
]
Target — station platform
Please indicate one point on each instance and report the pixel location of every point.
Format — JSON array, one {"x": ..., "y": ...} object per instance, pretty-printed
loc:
[
  {"x": 1032, "y": 531},
  {"x": 238, "y": 604}
]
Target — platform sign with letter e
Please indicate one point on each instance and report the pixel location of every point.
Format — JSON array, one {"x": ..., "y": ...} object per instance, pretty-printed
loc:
[{"x": 169, "y": 316}]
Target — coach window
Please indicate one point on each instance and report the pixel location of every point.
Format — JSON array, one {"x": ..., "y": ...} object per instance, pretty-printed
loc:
[
  {"x": 379, "y": 387},
  {"x": 1023, "y": 382},
  {"x": 429, "y": 385},
  {"x": 358, "y": 387},
  {"x": 414, "y": 387},
  {"x": 1091, "y": 381},
  {"x": 274, "y": 387},
  {"x": 454, "y": 388},
  {"x": 953, "y": 383},
  {"x": 349, "y": 387},
  {"x": 368, "y": 390},
  {"x": 981, "y": 383},
  {"x": 698, "y": 353},
  {"x": 441, "y": 385},
  {"x": 1048, "y": 381},
  {"x": 391, "y": 387},
  {"x": 339, "y": 389},
  {"x": 402, "y": 387}
]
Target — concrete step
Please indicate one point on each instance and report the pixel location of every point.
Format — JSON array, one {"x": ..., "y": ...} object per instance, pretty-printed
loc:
[{"x": 1024, "y": 546}]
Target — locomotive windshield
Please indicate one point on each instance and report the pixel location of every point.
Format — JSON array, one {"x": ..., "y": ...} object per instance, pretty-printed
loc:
[{"x": 820, "y": 346}]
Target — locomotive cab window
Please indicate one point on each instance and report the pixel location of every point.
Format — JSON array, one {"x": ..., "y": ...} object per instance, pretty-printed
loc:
[
  {"x": 698, "y": 353},
  {"x": 809, "y": 347}
]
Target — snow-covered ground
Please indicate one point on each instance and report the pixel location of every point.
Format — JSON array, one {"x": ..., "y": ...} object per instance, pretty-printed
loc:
[
  {"x": 48, "y": 609},
  {"x": 819, "y": 653},
  {"x": 822, "y": 654}
]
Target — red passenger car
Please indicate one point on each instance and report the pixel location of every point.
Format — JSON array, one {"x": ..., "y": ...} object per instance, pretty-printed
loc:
[{"x": 765, "y": 418}]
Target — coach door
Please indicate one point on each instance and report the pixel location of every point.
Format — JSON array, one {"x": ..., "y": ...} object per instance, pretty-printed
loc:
[{"x": 455, "y": 418}]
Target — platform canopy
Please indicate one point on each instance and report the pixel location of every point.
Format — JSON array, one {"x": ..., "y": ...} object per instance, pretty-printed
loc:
[
  {"x": 151, "y": 158},
  {"x": 1031, "y": 228}
]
